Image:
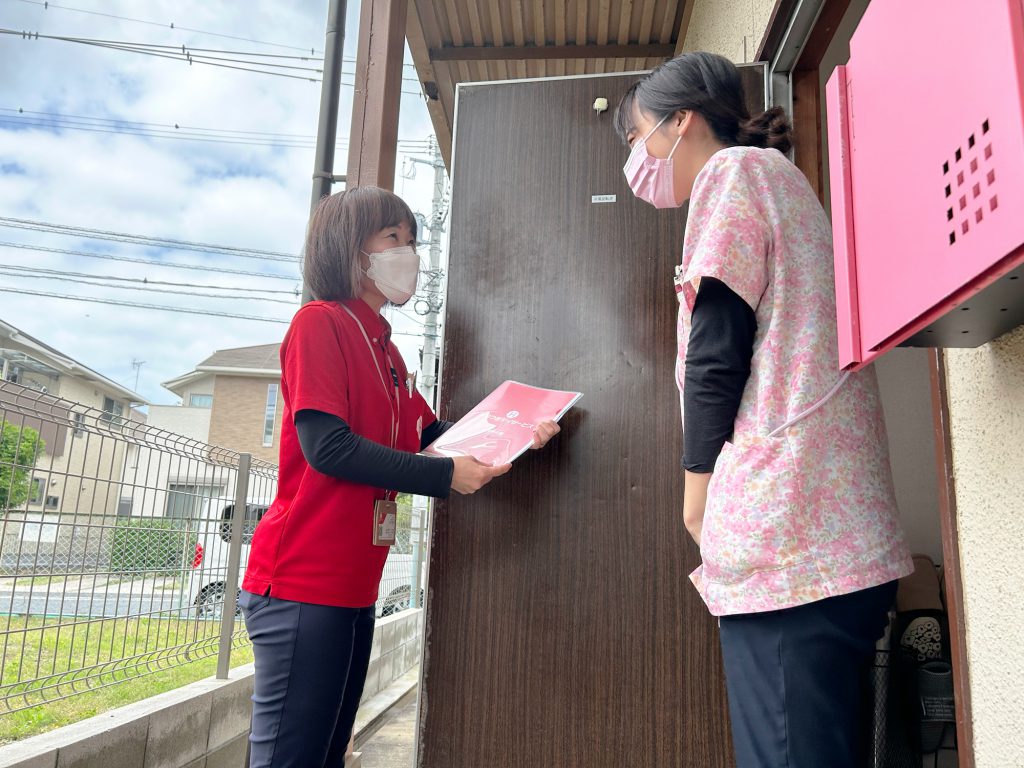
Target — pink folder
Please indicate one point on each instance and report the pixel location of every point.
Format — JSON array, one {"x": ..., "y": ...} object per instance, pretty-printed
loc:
[{"x": 500, "y": 428}]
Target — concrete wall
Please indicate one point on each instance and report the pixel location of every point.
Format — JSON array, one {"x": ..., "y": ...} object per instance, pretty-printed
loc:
[
  {"x": 397, "y": 643},
  {"x": 239, "y": 404},
  {"x": 986, "y": 402},
  {"x": 202, "y": 725}
]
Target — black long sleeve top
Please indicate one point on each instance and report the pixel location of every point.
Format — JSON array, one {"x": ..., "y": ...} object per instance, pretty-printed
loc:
[
  {"x": 718, "y": 355},
  {"x": 332, "y": 448}
]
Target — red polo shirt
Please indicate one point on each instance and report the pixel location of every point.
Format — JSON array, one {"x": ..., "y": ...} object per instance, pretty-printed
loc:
[{"x": 315, "y": 543}]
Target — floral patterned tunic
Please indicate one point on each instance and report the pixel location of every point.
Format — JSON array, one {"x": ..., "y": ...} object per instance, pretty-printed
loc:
[{"x": 809, "y": 512}]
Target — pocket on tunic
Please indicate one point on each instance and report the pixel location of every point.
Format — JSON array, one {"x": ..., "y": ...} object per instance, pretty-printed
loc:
[{"x": 755, "y": 517}]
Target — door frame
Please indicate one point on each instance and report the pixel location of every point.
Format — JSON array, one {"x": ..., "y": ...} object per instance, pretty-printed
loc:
[{"x": 799, "y": 33}]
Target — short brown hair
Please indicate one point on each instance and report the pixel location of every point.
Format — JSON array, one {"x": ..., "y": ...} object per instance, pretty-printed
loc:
[{"x": 337, "y": 230}]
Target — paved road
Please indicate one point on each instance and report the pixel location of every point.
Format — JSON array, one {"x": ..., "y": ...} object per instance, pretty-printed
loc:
[{"x": 100, "y": 603}]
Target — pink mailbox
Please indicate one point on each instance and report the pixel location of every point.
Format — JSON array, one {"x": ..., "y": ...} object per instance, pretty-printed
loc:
[{"x": 926, "y": 148}]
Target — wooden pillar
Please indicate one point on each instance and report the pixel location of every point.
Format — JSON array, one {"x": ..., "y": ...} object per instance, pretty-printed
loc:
[
  {"x": 373, "y": 141},
  {"x": 807, "y": 128}
]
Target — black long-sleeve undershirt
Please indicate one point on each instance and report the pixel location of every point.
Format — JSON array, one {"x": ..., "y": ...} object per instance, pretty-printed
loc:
[
  {"x": 718, "y": 355},
  {"x": 332, "y": 448}
]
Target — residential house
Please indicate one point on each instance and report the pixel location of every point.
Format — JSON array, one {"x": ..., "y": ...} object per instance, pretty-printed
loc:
[
  {"x": 231, "y": 400},
  {"x": 237, "y": 394},
  {"x": 78, "y": 476}
]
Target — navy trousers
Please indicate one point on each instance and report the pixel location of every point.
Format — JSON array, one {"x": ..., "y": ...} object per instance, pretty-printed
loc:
[
  {"x": 798, "y": 680},
  {"x": 311, "y": 663}
]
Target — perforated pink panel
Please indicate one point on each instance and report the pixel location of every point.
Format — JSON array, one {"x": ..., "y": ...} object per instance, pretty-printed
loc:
[{"x": 926, "y": 142}]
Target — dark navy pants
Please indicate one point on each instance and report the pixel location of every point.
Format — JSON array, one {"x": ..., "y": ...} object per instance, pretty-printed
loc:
[
  {"x": 311, "y": 663},
  {"x": 798, "y": 680}
]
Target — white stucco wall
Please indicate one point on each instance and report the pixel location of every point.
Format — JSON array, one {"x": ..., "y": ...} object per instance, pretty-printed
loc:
[
  {"x": 182, "y": 420},
  {"x": 905, "y": 382},
  {"x": 986, "y": 403},
  {"x": 732, "y": 28}
]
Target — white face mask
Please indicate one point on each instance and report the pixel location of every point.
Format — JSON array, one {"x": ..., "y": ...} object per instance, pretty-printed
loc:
[{"x": 395, "y": 272}]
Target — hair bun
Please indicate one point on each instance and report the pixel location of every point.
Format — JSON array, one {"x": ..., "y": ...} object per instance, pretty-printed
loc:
[{"x": 770, "y": 129}]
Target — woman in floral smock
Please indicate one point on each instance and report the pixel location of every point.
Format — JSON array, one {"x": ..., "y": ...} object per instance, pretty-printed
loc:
[{"x": 788, "y": 484}]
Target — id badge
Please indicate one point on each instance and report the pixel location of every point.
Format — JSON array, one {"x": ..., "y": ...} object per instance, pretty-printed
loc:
[{"x": 385, "y": 523}]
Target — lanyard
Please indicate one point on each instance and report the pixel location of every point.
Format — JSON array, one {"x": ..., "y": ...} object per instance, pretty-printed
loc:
[{"x": 396, "y": 403}]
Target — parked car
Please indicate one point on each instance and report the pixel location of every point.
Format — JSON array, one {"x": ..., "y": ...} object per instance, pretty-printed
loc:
[{"x": 208, "y": 577}]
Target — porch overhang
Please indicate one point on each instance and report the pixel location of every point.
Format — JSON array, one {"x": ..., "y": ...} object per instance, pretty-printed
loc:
[{"x": 464, "y": 41}]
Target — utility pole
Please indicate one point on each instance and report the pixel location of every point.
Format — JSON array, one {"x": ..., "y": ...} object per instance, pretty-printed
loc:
[
  {"x": 437, "y": 215},
  {"x": 137, "y": 365},
  {"x": 327, "y": 129},
  {"x": 428, "y": 364}
]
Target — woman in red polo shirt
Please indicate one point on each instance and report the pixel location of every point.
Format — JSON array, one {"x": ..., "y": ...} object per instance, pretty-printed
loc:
[{"x": 353, "y": 423}]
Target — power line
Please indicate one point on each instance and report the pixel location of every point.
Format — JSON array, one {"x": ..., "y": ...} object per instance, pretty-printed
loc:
[
  {"x": 161, "y": 291},
  {"x": 172, "y": 25},
  {"x": 146, "y": 280},
  {"x": 112, "y": 127},
  {"x": 152, "y": 135},
  {"x": 159, "y": 308},
  {"x": 191, "y": 56},
  {"x": 189, "y": 52},
  {"x": 173, "y": 130},
  {"x": 140, "y": 305},
  {"x": 147, "y": 262},
  {"x": 176, "y": 126},
  {"x": 183, "y": 49},
  {"x": 175, "y": 56},
  {"x": 59, "y": 125},
  {"x": 147, "y": 240}
]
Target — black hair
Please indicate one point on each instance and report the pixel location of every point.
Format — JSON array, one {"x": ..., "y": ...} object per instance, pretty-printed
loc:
[{"x": 709, "y": 85}]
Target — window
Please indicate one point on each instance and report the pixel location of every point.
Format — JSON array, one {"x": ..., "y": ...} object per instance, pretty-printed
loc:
[
  {"x": 200, "y": 401},
  {"x": 113, "y": 410},
  {"x": 270, "y": 416},
  {"x": 38, "y": 489},
  {"x": 52, "y": 502},
  {"x": 79, "y": 423},
  {"x": 190, "y": 500}
]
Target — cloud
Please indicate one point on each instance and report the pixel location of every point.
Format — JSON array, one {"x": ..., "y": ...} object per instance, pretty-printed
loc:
[{"x": 241, "y": 194}]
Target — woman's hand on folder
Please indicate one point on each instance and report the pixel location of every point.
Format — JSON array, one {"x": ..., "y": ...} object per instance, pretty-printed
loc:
[
  {"x": 471, "y": 474},
  {"x": 543, "y": 433}
]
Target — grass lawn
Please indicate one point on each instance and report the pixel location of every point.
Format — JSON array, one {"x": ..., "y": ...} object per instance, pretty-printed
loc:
[{"x": 62, "y": 658}]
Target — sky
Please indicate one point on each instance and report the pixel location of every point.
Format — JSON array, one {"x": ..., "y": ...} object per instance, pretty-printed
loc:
[{"x": 74, "y": 157}]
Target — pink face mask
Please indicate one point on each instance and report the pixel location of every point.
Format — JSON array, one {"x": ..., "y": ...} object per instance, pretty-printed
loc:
[{"x": 651, "y": 178}]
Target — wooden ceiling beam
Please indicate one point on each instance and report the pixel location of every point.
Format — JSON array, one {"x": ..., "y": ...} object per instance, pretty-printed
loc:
[
  {"x": 684, "y": 26},
  {"x": 530, "y": 52}
]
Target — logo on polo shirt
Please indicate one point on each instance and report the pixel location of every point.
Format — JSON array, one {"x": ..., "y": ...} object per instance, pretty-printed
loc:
[{"x": 512, "y": 415}]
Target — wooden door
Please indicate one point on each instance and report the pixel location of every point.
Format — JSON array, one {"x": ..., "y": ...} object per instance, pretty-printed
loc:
[{"x": 561, "y": 628}]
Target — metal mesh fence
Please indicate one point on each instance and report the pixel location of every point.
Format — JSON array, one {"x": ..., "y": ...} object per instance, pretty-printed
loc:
[
  {"x": 114, "y": 547},
  {"x": 119, "y": 552},
  {"x": 402, "y": 584}
]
